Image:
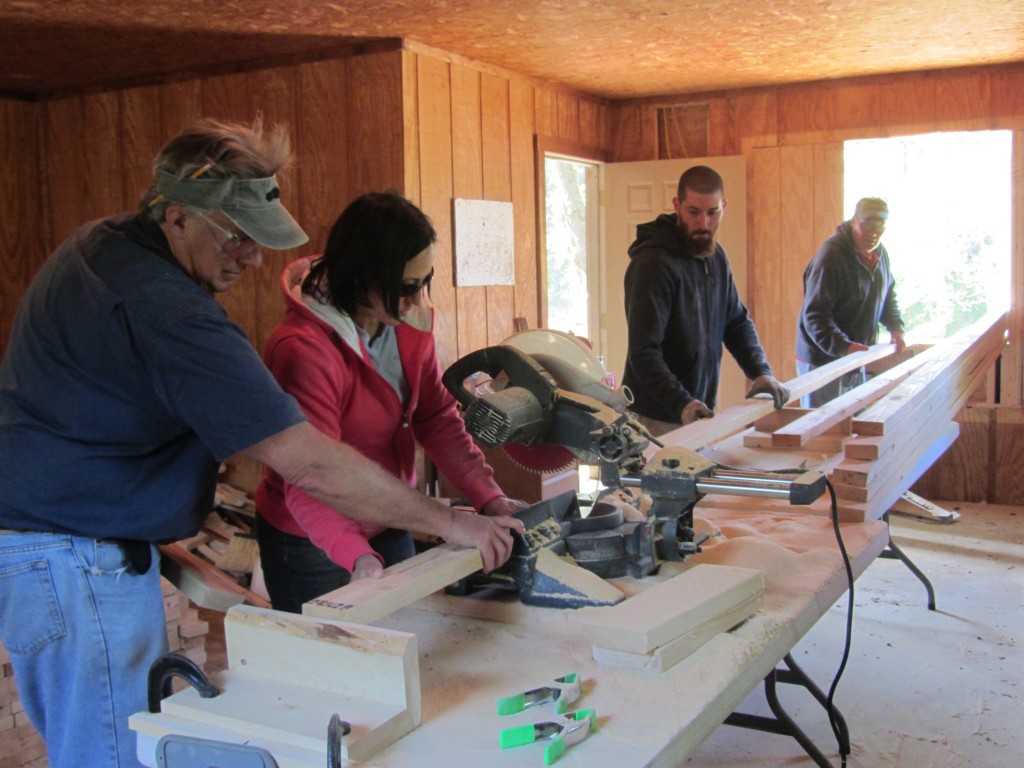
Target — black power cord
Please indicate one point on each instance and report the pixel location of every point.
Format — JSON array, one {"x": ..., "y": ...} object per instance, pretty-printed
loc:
[{"x": 842, "y": 738}]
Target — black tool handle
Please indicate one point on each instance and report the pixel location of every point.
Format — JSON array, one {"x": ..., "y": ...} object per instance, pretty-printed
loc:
[{"x": 176, "y": 665}]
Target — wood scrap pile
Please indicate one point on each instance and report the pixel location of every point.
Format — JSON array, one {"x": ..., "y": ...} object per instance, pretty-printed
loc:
[{"x": 216, "y": 567}]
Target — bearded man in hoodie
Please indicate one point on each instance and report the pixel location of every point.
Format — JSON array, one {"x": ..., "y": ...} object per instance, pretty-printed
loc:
[{"x": 681, "y": 307}]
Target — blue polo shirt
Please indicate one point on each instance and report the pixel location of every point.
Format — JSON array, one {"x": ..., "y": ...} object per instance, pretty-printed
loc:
[{"x": 123, "y": 387}]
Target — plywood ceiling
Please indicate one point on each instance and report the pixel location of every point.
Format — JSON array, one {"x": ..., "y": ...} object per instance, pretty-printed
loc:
[{"x": 610, "y": 48}]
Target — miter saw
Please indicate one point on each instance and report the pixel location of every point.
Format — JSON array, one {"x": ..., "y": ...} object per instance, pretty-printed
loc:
[{"x": 544, "y": 390}]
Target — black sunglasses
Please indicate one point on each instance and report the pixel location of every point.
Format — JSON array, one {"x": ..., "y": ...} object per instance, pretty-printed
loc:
[{"x": 411, "y": 289}]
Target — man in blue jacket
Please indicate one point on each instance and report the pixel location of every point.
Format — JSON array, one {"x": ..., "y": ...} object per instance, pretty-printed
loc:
[
  {"x": 848, "y": 290},
  {"x": 681, "y": 307}
]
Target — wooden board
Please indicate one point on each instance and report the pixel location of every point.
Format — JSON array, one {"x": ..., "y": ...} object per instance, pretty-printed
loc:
[
  {"x": 801, "y": 431},
  {"x": 666, "y": 656},
  {"x": 954, "y": 368},
  {"x": 671, "y": 609},
  {"x": 367, "y": 600},
  {"x": 704, "y": 432}
]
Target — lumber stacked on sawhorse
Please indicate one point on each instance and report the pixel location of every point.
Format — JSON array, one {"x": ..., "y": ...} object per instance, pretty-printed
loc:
[{"x": 905, "y": 431}]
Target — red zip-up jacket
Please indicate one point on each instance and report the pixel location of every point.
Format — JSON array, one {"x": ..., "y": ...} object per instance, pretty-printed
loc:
[{"x": 331, "y": 375}]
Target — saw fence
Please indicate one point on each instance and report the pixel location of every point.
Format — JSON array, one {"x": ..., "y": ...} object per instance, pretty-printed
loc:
[{"x": 873, "y": 442}]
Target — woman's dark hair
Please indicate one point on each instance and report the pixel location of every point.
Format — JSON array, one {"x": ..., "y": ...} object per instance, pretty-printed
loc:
[{"x": 367, "y": 249}]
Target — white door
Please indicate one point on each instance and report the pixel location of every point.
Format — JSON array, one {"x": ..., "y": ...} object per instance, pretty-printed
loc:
[{"x": 634, "y": 193}]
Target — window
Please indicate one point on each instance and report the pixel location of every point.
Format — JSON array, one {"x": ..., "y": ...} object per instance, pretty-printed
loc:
[
  {"x": 571, "y": 244},
  {"x": 949, "y": 230}
]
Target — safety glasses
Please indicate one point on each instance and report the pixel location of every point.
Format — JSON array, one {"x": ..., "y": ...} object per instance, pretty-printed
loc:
[
  {"x": 408, "y": 290},
  {"x": 227, "y": 241}
]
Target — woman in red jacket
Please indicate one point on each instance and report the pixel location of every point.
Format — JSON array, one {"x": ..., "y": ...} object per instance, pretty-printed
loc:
[{"x": 356, "y": 350}]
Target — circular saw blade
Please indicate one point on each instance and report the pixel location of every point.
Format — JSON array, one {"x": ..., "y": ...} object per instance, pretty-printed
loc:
[{"x": 539, "y": 458}]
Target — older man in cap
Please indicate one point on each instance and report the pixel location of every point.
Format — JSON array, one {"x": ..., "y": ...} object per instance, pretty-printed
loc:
[
  {"x": 123, "y": 388},
  {"x": 848, "y": 290}
]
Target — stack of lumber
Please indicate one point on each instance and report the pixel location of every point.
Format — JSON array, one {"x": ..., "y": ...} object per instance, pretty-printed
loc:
[
  {"x": 875, "y": 441},
  {"x": 900, "y": 435},
  {"x": 661, "y": 626},
  {"x": 20, "y": 743},
  {"x": 215, "y": 567}
]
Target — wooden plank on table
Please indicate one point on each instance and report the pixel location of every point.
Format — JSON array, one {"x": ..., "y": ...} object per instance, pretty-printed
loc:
[
  {"x": 799, "y": 432},
  {"x": 670, "y": 609},
  {"x": 953, "y": 363},
  {"x": 826, "y": 443},
  {"x": 368, "y": 600},
  {"x": 671, "y": 653},
  {"x": 704, "y": 432}
]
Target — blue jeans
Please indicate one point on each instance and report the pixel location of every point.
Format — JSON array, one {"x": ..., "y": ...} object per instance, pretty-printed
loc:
[
  {"x": 296, "y": 570},
  {"x": 833, "y": 389},
  {"x": 82, "y": 631}
]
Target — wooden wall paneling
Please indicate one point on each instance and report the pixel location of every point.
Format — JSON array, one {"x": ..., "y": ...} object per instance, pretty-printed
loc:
[
  {"x": 722, "y": 128},
  {"x": 962, "y": 471},
  {"x": 81, "y": 162},
  {"x": 375, "y": 122},
  {"x": 524, "y": 201},
  {"x": 497, "y": 185},
  {"x": 142, "y": 136},
  {"x": 1006, "y": 481},
  {"x": 804, "y": 115},
  {"x": 467, "y": 182},
  {"x": 410, "y": 127},
  {"x": 828, "y": 192},
  {"x": 1006, "y": 105},
  {"x": 853, "y": 110},
  {"x": 434, "y": 112},
  {"x": 634, "y": 132},
  {"x": 1012, "y": 367},
  {"x": 593, "y": 123},
  {"x": 756, "y": 118},
  {"x": 963, "y": 102},
  {"x": 180, "y": 103},
  {"x": 22, "y": 222},
  {"x": 781, "y": 279},
  {"x": 907, "y": 106},
  {"x": 545, "y": 110},
  {"x": 321, "y": 146},
  {"x": 763, "y": 238},
  {"x": 568, "y": 117}
]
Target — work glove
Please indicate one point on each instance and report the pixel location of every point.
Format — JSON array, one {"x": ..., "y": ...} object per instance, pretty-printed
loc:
[
  {"x": 766, "y": 384},
  {"x": 694, "y": 410}
]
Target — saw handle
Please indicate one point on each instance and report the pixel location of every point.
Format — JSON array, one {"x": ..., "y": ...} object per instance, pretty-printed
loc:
[{"x": 522, "y": 370}]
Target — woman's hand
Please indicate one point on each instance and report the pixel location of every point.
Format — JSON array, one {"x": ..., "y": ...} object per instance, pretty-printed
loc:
[
  {"x": 367, "y": 567},
  {"x": 501, "y": 506}
]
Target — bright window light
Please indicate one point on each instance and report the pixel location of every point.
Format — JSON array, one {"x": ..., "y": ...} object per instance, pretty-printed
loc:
[{"x": 948, "y": 234}]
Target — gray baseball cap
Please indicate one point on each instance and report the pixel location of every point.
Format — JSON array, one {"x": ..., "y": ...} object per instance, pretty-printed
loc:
[{"x": 254, "y": 205}]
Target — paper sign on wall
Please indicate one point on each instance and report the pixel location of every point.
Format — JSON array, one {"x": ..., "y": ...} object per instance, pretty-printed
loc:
[{"x": 484, "y": 243}]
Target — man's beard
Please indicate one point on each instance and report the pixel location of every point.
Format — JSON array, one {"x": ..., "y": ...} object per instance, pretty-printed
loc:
[{"x": 699, "y": 244}]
